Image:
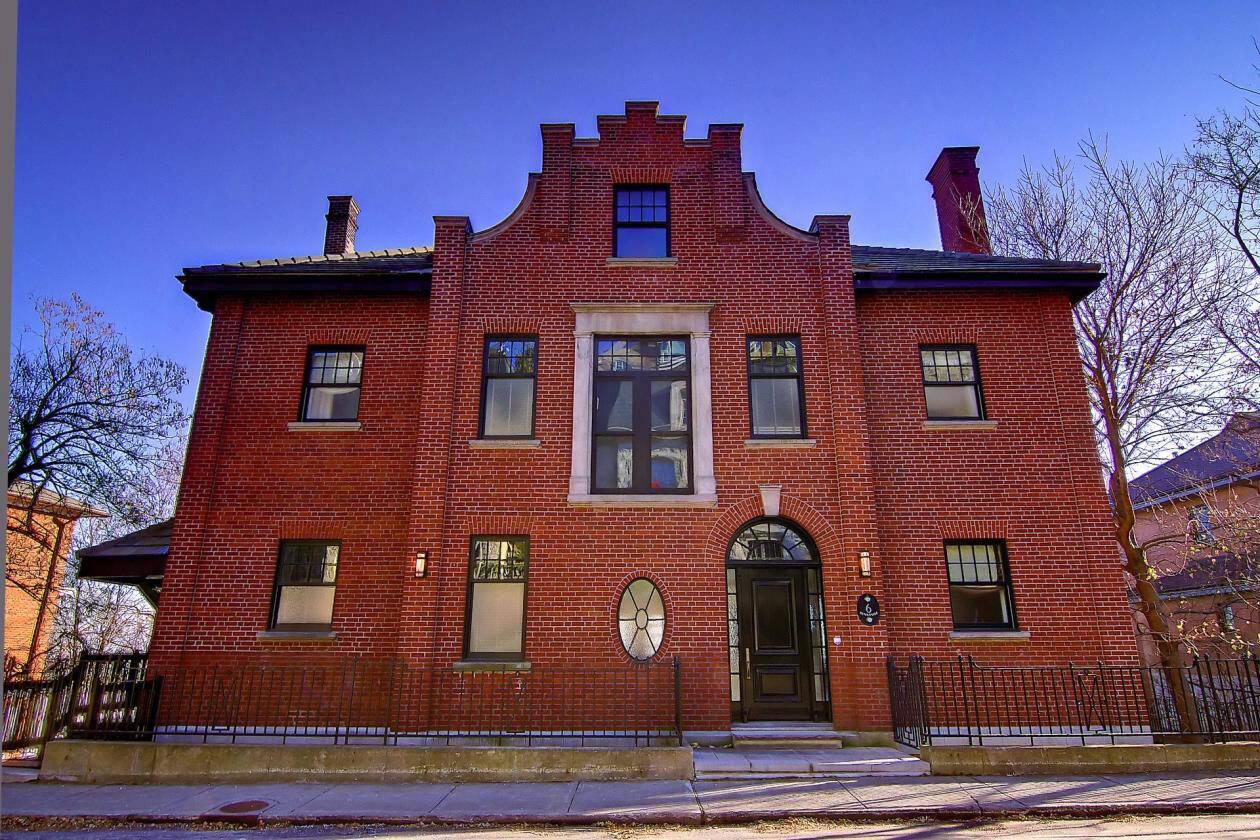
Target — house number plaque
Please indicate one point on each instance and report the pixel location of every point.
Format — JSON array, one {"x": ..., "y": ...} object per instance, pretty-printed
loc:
[{"x": 868, "y": 610}]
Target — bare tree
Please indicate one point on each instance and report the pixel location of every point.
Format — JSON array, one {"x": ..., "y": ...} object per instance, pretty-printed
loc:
[
  {"x": 96, "y": 617},
  {"x": 1157, "y": 371},
  {"x": 89, "y": 419},
  {"x": 1225, "y": 159}
]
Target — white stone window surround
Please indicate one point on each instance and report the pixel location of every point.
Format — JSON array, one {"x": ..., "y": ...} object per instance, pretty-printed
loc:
[{"x": 594, "y": 319}]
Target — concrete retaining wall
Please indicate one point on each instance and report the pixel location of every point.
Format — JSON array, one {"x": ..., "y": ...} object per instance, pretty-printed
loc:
[
  {"x": 1086, "y": 760},
  {"x": 105, "y": 762}
]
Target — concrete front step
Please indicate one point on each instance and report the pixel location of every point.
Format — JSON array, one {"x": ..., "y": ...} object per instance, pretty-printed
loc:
[
  {"x": 756, "y": 735},
  {"x": 814, "y": 762}
]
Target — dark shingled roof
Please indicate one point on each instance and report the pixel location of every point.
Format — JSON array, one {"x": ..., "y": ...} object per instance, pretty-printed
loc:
[
  {"x": 878, "y": 259},
  {"x": 389, "y": 259},
  {"x": 155, "y": 540},
  {"x": 1230, "y": 455},
  {"x": 401, "y": 270},
  {"x": 391, "y": 271},
  {"x": 137, "y": 559}
]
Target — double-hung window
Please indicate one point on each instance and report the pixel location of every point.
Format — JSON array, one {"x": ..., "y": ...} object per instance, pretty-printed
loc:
[
  {"x": 509, "y": 371},
  {"x": 642, "y": 415},
  {"x": 775, "y": 396},
  {"x": 306, "y": 582},
  {"x": 951, "y": 382},
  {"x": 334, "y": 376},
  {"x": 641, "y": 222},
  {"x": 979, "y": 586},
  {"x": 495, "y": 621}
]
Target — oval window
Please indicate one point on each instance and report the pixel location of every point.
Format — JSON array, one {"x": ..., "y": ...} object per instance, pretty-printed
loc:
[{"x": 641, "y": 619}]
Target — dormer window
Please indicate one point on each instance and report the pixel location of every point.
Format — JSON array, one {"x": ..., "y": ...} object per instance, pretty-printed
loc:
[{"x": 641, "y": 222}]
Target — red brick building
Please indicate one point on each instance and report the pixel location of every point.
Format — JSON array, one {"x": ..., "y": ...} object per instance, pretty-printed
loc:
[
  {"x": 39, "y": 532},
  {"x": 643, "y": 418},
  {"x": 1198, "y": 516}
]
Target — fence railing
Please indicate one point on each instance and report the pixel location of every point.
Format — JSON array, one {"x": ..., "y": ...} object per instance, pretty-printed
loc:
[
  {"x": 366, "y": 701},
  {"x": 963, "y": 702},
  {"x": 36, "y": 711}
]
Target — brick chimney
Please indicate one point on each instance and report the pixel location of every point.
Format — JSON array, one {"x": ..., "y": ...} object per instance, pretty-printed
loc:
[
  {"x": 955, "y": 181},
  {"x": 342, "y": 225}
]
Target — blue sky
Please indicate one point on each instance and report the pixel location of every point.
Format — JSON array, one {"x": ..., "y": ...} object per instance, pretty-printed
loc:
[{"x": 156, "y": 135}]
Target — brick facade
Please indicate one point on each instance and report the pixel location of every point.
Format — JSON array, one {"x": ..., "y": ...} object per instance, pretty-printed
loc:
[
  {"x": 37, "y": 543},
  {"x": 875, "y": 478}
]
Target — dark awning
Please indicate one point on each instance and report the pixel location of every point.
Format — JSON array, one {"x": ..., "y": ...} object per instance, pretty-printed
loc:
[{"x": 136, "y": 559}]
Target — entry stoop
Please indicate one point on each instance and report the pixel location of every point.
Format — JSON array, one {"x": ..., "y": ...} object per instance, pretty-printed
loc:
[
  {"x": 801, "y": 750},
  {"x": 774, "y": 734}
]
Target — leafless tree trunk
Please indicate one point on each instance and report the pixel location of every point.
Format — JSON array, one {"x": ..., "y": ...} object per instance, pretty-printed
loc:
[{"x": 1157, "y": 371}]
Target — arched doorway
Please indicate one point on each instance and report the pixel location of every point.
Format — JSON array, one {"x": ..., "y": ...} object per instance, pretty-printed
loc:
[{"x": 776, "y": 636}]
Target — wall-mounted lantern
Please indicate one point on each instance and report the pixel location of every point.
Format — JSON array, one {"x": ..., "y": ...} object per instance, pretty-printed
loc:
[
  {"x": 422, "y": 563},
  {"x": 864, "y": 563}
]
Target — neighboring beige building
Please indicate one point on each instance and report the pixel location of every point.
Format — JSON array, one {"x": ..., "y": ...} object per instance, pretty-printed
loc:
[
  {"x": 37, "y": 542},
  {"x": 1199, "y": 516}
]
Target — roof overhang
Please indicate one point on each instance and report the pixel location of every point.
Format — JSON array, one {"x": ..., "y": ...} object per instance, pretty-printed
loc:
[
  {"x": 1076, "y": 284},
  {"x": 205, "y": 286}
]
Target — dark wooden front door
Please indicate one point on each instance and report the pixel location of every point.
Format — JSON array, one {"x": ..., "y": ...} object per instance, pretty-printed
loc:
[{"x": 774, "y": 637}]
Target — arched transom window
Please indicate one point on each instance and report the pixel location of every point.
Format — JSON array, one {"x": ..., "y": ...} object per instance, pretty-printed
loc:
[
  {"x": 641, "y": 619},
  {"x": 770, "y": 541}
]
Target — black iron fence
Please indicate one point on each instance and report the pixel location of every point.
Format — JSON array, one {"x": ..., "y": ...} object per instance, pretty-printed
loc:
[
  {"x": 360, "y": 701},
  {"x": 963, "y": 702}
]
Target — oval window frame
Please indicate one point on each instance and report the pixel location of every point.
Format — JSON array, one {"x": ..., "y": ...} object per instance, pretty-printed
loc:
[{"x": 630, "y": 622}]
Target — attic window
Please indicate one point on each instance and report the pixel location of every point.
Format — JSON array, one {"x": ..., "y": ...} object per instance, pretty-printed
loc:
[{"x": 641, "y": 222}]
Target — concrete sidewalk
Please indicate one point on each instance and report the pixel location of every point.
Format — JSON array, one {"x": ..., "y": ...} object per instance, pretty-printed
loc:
[{"x": 643, "y": 802}]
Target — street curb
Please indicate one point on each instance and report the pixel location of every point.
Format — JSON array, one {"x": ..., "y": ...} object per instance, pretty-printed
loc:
[{"x": 730, "y": 818}]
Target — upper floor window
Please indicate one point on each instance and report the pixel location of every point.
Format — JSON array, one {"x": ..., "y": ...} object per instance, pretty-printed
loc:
[
  {"x": 509, "y": 372},
  {"x": 306, "y": 581},
  {"x": 979, "y": 586},
  {"x": 1201, "y": 525},
  {"x": 642, "y": 415},
  {"x": 951, "y": 382},
  {"x": 495, "y": 623},
  {"x": 776, "y": 400},
  {"x": 333, "y": 379},
  {"x": 641, "y": 222}
]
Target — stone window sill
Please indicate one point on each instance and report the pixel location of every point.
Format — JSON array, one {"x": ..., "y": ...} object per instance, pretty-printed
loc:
[
  {"x": 959, "y": 425},
  {"x": 989, "y": 635},
  {"x": 475, "y": 665},
  {"x": 780, "y": 443},
  {"x": 505, "y": 443},
  {"x": 645, "y": 500},
  {"x": 325, "y": 426},
  {"x": 641, "y": 262},
  {"x": 297, "y": 636}
]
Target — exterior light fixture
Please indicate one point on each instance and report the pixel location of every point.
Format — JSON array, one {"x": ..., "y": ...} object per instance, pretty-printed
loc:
[
  {"x": 864, "y": 563},
  {"x": 422, "y": 562}
]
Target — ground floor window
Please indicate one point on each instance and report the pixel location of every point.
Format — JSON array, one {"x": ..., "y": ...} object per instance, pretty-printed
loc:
[
  {"x": 979, "y": 586},
  {"x": 641, "y": 619},
  {"x": 306, "y": 583},
  {"x": 495, "y": 620}
]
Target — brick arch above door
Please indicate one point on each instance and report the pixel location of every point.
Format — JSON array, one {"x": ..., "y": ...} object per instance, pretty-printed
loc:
[{"x": 814, "y": 524}]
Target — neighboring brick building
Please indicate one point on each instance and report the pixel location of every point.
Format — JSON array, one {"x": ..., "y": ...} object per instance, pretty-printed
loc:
[
  {"x": 642, "y": 374},
  {"x": 1199, "y": 515},
  {"x": 37, "y": 542}
]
